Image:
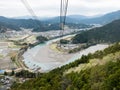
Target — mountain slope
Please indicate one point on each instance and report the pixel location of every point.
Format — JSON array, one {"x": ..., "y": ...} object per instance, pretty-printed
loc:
[
  {"x": 98, "y": 77},
  {"x": 105, "y": 34},
  {"x": 44, "y": 25},
  {"x": 36, "y": 25},
  {"x": 5, "y": 27},
  {"x": 25, "y": 23}
]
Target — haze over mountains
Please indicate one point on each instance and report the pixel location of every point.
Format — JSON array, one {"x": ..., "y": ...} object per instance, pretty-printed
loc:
[
  {"x": 104, "y": 19},
  {"x": 18, "y": 23},
  {"x": 100, "y": 19},
  {"x": 36, "y": 25},
  {"x": 43, "y": 22}
]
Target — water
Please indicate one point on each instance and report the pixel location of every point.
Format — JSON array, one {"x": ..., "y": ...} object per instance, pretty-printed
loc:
[
  {"x": 29, "y": 56},
  {"x": 2, "y": 71},
  {"x": 91, "y": 49}
]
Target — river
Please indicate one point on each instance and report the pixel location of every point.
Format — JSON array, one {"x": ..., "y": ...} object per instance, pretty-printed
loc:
[{"x": 41, "y": 57}]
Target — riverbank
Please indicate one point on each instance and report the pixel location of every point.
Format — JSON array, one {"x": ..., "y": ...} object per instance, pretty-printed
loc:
[{"x": 43, "y": 57}]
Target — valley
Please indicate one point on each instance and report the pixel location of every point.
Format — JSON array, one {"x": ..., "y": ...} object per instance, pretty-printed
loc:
[
  {"x": 12, "y": 42},
  {"x": 66, "y": 52}
]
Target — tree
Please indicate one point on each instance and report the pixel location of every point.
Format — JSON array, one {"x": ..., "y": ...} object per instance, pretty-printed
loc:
[
  {"x": 41, "y": 39},
  {"x": 5, "y": 73},
  {"x": 12, "y": 73}
]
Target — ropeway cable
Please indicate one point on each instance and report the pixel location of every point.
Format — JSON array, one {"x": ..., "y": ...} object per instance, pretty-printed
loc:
[
  {"x": 63, "y": 13},
  {"x": 30, "y": 10}
]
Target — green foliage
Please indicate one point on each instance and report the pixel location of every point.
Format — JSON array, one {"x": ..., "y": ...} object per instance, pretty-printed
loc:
[
  {"x": 63, "y": 41},
  {"x": 80, "y": 38},
  {"x": 106, "y": 34},
  {"x": 25, "y": 74},
  {"x": 41, "y": 39},
  {"x": 5, "y": 73},
  {"x": 99, "y": 77},
  {"x": 12, "y": 73},
  {"x": 98, "y": 54},
  {"x": 38, "y": 26},
  {"x": 5, "y": 25}
]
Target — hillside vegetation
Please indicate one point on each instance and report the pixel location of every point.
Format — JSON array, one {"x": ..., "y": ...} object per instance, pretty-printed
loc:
[
  {"x": 4, "y": 27},
  {"x": 99, "y": 77},
  {"x": 36, "y": 25},
  {"x": 107, "y": 34}
]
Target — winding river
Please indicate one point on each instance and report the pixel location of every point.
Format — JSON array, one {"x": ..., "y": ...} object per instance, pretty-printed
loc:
[{"x": 40, "y": 57}]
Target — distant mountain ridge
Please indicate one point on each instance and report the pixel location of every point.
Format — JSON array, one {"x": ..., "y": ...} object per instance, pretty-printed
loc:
[
  {"x": 53, "y": 23},
  {"x": 24, "y": 23},
  {"x": 57, "y": 20},
  {"x": 30, "y": 17},
  {"x": 5, "y": 27},
  {"x": 36, "y": 25},
  {"x": 104, "y": 19},
  {"x": 107, "y": 18},
  {"x": 101, "y": 19}
]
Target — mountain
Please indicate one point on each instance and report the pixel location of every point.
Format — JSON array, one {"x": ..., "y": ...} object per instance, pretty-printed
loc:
[
  {"x": 53, "y": 23},
  {"x": 23, "y": 17},
  {"x": 107, "y": 34},
  {"x": 98, "y": 71},
  {"x": 101, "y": 19},
  {"x": 24, "y": 23},
  {"x": 69, "y": 19},
  {"x": 107, "y": 18},
  {"x": 37, "y": 25},
  {"x": 30, "y": 17},
  {"x": 57, "y": 20},
  {"x": 5, "y": 25},
  {"x": 80, "y": 17}
]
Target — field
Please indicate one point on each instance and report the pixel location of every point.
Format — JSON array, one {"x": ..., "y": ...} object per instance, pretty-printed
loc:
[{"x": 5, "y": 58}]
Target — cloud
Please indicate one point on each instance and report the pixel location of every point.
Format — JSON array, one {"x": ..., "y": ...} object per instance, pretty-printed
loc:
[{"x": 14, "y": 8}]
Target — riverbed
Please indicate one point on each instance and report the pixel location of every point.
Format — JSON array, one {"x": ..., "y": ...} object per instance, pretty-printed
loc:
[{"x": 41, "y": 56}]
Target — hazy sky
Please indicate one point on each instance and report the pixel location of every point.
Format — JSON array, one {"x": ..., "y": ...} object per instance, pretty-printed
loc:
[{"x": 12, "y": 8}]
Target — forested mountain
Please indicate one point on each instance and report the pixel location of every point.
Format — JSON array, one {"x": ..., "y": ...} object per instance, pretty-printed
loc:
[
  {"x": 36, "y": 25},
  {"x": 5, "y": 27},
  {"x": 48, "y": 18},
  {"x": 25, "y": 23},
  {"x": 104, "y": 19},
  {"x": 102, "y": 76},
  {"x": 106, "y": 34},
  {"x": 74, "y": 21}
]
